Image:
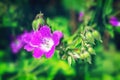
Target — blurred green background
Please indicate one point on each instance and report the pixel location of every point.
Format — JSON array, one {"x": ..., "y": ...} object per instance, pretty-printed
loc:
[{"x": 17, "y": 16}]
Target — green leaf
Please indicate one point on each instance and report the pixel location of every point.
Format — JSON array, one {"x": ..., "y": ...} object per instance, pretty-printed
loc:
[
  {"x": 7, "y": 22},
  {"x": 3, "y": 68},
  {"x": 2, "y": 53},
  {"x": 110, "y": 30},
  {"x": 107, "y": 7},
  {"x": 69, "y": 60},
  {"x": 117, "y": 29}
]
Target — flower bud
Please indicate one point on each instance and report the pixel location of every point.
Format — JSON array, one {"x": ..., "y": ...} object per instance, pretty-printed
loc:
[
  {"x": 96, "y": 35},
  {"x": 84, "y": 55},
  {"x": 91, "y": 50},
  {"x": 87, "y": 45},
  {"x": 76, "y": 56},
  {"x": 83, "y": 49},
  {"x": 38, "y": 21},
  {"x": 89, "y": 37},
  {"x": 34, "y": 25}
]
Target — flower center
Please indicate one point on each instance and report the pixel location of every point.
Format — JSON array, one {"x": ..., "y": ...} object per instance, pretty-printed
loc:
[{"x": 46, "y": 44}]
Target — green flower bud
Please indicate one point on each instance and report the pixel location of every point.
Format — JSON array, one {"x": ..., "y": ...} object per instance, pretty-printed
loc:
[
  {"x": 87, "y": 45},
  {"x": 36, "y": 23},
  {"x": 83, "y": 49},
  {"x": 89, "y": 37},
  {"x": 40, "y": 21},
  {"x": 83, "y": 37},
  {"x": 96, "y": 35},
  {"x": 91, "y": 50},
  {"x": 76, "y": 56},
  {"x": 84, "y": 55}
]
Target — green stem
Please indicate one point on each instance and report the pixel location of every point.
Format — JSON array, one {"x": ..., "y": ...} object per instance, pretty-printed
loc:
[
  {"x": 41, "y": 70},
  {"x": 86, "y": 71},
  {"x": 35, "y": 64},
  {"x": 14, "y": 77}
]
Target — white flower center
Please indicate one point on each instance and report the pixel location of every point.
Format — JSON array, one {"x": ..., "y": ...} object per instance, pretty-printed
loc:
[{"x": 46, "y": 44}]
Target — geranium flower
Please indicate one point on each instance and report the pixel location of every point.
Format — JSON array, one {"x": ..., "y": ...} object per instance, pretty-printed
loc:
[
  {"x": 43, "y": 42},
  {"x": 18, "y": 43},
  {"x": 114, "y": 21}
]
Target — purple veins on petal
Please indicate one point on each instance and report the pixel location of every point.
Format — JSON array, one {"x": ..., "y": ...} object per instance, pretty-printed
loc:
[{"x": 37, "y": 53}]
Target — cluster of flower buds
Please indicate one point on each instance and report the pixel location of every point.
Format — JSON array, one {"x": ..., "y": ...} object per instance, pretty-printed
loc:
[
  {"x": 41, "y": 41},
  {"x": 88, "y": 40},
  {"x": 84, "y": 49}
]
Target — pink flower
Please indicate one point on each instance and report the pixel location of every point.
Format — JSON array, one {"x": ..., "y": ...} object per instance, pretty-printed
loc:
[
  {"x": 114, "y": 21},
  {"x": 43, "y": 42},
  {"x": 18, "y": 43},
  {"x": 80, "y": 17}
]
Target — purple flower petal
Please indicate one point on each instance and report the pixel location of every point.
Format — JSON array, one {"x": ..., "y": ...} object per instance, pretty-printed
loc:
[
  {"x": 56, "y": 37},
  {"x": 45, "y": 31},
  {"x": 113, "y": 21},
  {"x": 80, "y": 17},
  {"x": 14, "y": 48},
  {"x": 60, "y": 35},
  {"x": 118, "y": 23},
  {"x": 28, "y": 47},
  {"x": 50, "y": 53},
  {"x": 113, "y": 18},
  {"x": 27, "y": 36},
  {"x": 16, "y": 45},
  {"x": 37, "y": 53},
  {"x": 36, "y": 38}
]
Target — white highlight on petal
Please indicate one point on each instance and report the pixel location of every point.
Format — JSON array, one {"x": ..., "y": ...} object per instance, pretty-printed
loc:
[
  {"x": 118, "y": 24},
  {"x": 33, "y": 45},
  {"x": 46, "y": 44}
]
